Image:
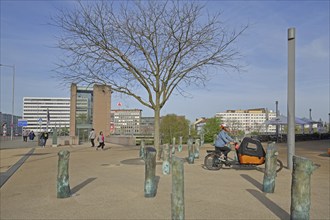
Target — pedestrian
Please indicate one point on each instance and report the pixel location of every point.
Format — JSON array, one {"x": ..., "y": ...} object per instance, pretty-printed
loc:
[
  {"x": 100, "y": 139},
  {"x": 92, "y": 137},
  {"x": 44, "y": 137},
  {"x": 31, "y": 135},
  {"x": 25, "y": 135}
]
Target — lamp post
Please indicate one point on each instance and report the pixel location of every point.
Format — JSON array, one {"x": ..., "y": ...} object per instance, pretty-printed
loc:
[
  {"x": 291, "y": 96},
  {"x": 277, "y": 126},
  {"x": 12, "y": 104},
  {"x": 329, "y": 124}
]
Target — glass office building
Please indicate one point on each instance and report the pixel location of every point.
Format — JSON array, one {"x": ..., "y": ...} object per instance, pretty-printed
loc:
[{"x": 90, "y": 108}]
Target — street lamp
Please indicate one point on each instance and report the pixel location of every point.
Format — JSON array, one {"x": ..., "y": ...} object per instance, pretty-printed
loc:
[
  {"x": 12, "y": 104},
  {"x": 329, "y": 124}
]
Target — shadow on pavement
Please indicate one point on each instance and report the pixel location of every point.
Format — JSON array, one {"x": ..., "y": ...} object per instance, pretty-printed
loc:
[
  {"x": 157, "y": 178},
  {"x": 253, "y": 181},
  {"x": 324, "y": 155},
  {"x": 81, "y": 185},
  {"x": 136, "y": 161},
  {"x": 273, "y": 207}
]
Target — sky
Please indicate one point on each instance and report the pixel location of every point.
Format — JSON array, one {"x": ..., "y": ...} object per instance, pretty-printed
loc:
[{"x": 28, "y": 42}]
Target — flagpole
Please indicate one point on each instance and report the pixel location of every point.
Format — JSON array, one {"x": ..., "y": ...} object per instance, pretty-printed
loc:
[{"x": 48, "y": 118}]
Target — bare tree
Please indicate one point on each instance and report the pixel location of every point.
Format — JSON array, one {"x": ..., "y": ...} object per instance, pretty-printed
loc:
[{"x": 144, "y": 49}]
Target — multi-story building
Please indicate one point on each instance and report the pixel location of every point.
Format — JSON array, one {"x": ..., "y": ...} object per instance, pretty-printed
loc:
[
  {"x": 126, "y": 121},
  {"x": 249, "y": 120},
  {"x": 6, "y": 124},
  {"x": 147, "y": 126},
  {"x": 46, "y": 112},
  {"x": 90, "y": 108}
]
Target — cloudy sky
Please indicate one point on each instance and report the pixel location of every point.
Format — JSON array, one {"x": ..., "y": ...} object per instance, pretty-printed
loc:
[{"x": 28, "y": 42}]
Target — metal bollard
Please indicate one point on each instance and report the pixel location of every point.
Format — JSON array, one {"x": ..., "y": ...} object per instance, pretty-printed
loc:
[
  {"x": 301, "y": 188},
  {"x": 150, "y": 171},
  {"x": 270, "y": 168},
  {"x": 177, "y": 196},
  {"x": 191, "y": 153},
  {"x": 63, "y": 187}
]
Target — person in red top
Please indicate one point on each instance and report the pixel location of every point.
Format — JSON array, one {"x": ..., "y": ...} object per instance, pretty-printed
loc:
[{"x": 100, "y": 139}]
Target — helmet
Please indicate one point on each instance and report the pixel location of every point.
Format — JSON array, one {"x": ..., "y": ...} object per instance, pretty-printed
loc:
[{"x": 223, "y": 125}]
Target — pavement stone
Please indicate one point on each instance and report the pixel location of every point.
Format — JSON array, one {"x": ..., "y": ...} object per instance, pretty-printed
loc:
[{"x": 109, "y": 184}]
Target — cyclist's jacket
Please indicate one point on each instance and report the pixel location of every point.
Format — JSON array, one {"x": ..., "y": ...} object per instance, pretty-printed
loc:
[{"x": 222, "y": 139}]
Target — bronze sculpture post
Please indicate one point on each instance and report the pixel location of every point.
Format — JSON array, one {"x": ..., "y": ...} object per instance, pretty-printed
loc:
[
  {"x": 173, "y": 145},
  {"x": 63, "y": 187},
  {"x": 301, "y": 188},
  {"x": 191, "y": 153},
  {"x": 166, "y": 160},
  {"x": 197, "y": 147},
  {"x": 150, "y": 171},
  {"x": 180, "y": 144},
  {"x": 177, "y": 197},
  {"x": 270, "y": 169},
  {"x": 142, "y": 147}
]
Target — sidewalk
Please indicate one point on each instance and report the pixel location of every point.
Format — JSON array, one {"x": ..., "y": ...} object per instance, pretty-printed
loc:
[
  {"x": 109, "y": 184},
  {"x": 17, "y": 142}
]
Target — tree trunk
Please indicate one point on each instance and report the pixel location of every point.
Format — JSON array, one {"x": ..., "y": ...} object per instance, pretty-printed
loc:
[{"x": 157, "y": 129}]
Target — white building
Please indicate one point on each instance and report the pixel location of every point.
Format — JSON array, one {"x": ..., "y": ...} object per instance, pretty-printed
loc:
[
  {"x": 249, "y": 120},
  {"x": 35, "y": 113}
]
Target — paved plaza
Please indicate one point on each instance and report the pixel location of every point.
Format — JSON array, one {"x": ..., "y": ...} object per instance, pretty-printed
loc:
[{"x": 109, "y": 184}]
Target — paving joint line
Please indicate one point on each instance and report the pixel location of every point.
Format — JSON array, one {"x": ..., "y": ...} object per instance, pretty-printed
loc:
[{"x": 6, "y": 175}]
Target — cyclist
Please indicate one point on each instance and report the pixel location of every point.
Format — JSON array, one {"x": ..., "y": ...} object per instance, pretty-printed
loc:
[{"x": 222, "y": 141}]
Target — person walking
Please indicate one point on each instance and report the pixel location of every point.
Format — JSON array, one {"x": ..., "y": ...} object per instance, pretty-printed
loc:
[
  {"x": 92, "y": 137},
  {"x": 25, "y": 135},
  {"x": 31, "y": 135},
  {"x": 100, "y": 139},
  {"x": 44, "y": 137}
]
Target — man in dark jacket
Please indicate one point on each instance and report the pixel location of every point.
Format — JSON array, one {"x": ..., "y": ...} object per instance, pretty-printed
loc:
[{"x": 44, "y": 137}]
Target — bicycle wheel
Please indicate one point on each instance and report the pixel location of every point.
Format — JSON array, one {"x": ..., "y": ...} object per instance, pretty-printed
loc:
[
  {"x": 211, "y": 162},
  {"x": 279, "y": 166}
]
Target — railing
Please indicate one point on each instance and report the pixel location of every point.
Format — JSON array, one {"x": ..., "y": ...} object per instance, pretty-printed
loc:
[{"x": 281, "y": 138}]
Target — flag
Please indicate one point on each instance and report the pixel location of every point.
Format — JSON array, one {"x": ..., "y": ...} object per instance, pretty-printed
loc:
[{"x": 48, "y": 116}]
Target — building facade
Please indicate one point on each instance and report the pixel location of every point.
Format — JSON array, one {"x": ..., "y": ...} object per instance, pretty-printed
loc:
[
  {"x": 250, "y": 120},
  {"x": 46, "y": 112},
  {"x": 199, "y": 124},
  {"x": 6, "y": 126},
  {"x": 90, "y": 108},
  {"x": 126, "y": 121},
  {"x": 147, "y": 126}
]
